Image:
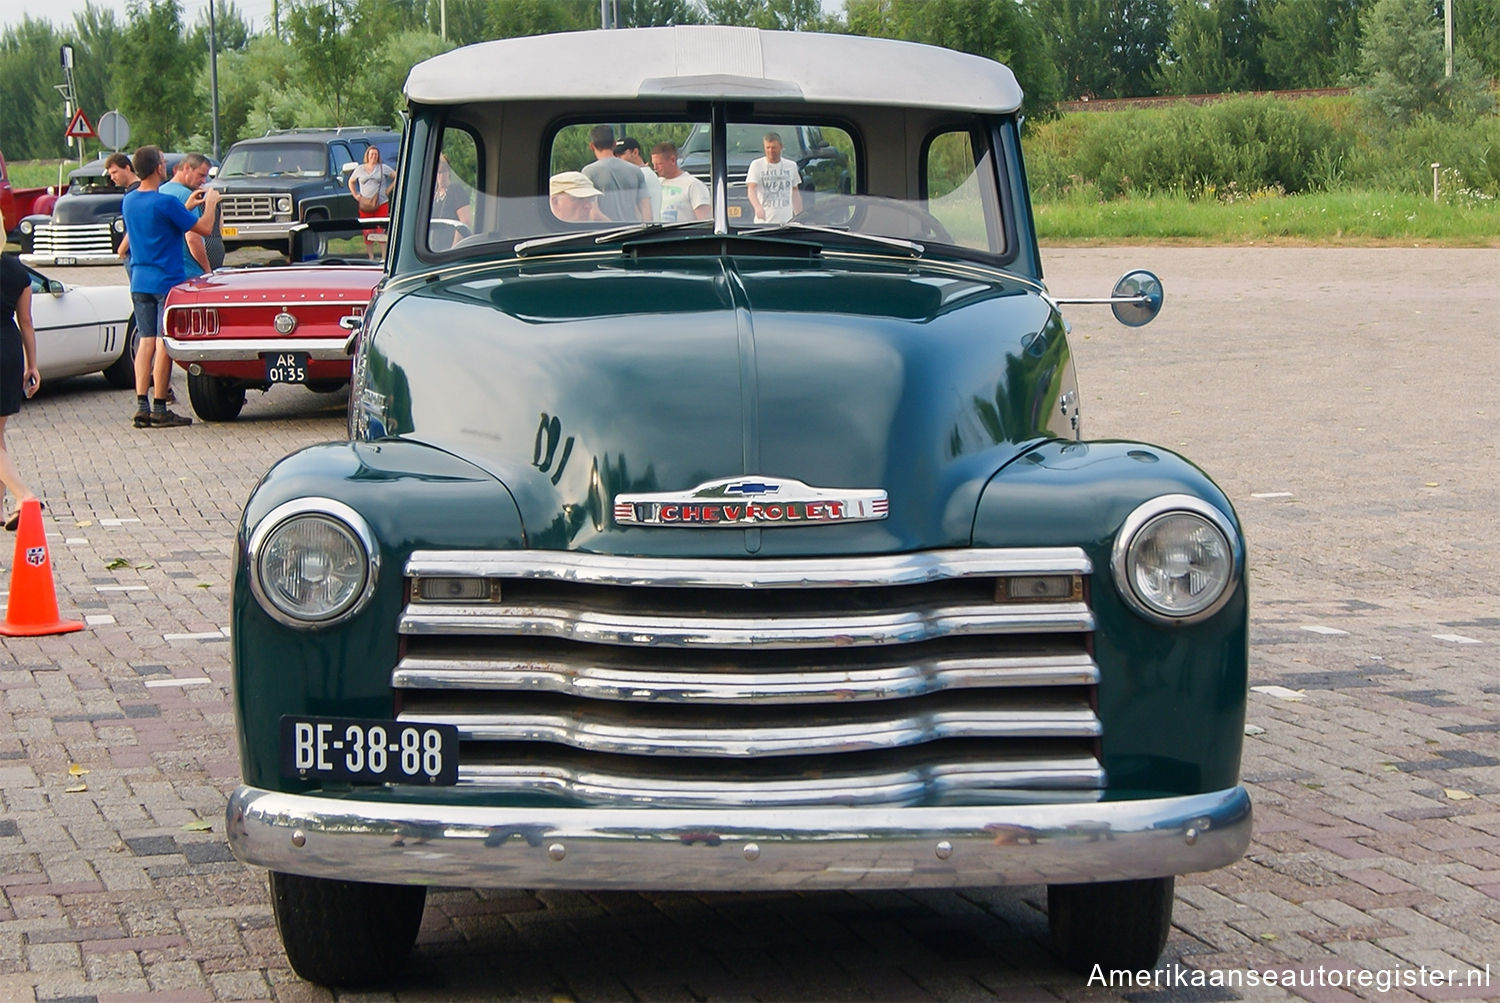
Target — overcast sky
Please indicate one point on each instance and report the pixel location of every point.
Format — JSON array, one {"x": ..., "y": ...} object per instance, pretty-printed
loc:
[{"x": 60, "y": 12}]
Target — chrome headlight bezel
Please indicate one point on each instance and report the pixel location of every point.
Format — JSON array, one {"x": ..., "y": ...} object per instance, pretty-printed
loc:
[
  {"x": 343, "y": 519},
  {"x": 118, "y": 224},
  {"x": 1135, "y": 529},
  {"x": 284, "y": 204}
]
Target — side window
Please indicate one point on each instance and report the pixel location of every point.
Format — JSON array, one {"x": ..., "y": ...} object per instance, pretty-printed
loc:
[
  {"x": 340, "y": 154},
  {"x": 954, "y": 192},
  {"x": 455, "y": 195}
]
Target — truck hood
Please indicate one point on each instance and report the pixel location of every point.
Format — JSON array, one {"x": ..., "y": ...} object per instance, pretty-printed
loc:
[
  {"x": 577, "y": 383},
  {"x": 78, "y": 209}
]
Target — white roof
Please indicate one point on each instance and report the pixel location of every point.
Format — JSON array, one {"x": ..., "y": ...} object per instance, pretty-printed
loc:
[{"x": 708, "y": 61}]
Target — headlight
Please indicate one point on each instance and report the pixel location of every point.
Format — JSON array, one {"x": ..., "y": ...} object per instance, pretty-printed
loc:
[
  {"x": 283, "y": 204},
  {"x": 313, "y": 562},
  {"x": 1176, "y": 559},
  {"x": 119, "y": 225},
  {"x": 25, "y": 226}
]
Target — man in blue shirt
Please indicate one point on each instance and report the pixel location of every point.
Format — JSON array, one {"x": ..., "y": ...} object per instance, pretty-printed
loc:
[
  {"x": 155, "y": 222},
  {"x": 188, "y": 177}
]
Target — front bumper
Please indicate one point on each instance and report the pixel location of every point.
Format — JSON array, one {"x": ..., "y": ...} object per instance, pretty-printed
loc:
[
  {"x": 250, "y": 349},
  {"x": 249, "y": 233},
  {"x": 716, "y": 849},
  {"x": 63, "y": 260}
]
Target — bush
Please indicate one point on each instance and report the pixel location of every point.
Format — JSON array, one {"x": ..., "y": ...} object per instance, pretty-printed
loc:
[{"x": 1239, "y": 147}]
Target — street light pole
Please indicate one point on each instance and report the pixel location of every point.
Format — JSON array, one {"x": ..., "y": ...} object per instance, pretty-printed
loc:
[{"x": 213, "y": 72}]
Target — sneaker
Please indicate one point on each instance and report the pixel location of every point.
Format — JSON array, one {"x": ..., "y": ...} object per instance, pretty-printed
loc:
[
  {"x": 142, "y": 419},
  {"x": 169, "y": 419}
]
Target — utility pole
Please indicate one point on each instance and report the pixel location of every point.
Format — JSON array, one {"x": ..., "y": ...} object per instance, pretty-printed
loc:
[{"x": 1448, "y": 37}]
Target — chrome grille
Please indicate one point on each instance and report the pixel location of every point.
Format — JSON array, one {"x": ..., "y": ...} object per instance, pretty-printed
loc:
[
  {"x": 247, "y": 209},
  {"x": 874, "y": 680},
  {"x": 80, "y": 238}
]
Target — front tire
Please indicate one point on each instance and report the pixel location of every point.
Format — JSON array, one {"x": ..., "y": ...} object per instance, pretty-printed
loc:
[
  {"x": 345, "y": 933},
  {"x": 1113, "y": 924},
  {"x": 215, "y": 398},
  {"x": 120, "y": 374}
]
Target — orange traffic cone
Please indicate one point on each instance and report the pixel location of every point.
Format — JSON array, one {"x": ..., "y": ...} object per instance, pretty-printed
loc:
[{"x": 32, "y": 609}]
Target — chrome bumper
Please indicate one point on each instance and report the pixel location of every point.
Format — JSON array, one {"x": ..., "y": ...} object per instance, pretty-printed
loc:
[
  {"x": 687, "y": 849},
  {"x": 68, "y": 260},
  {"x": 250, "y": 349}
]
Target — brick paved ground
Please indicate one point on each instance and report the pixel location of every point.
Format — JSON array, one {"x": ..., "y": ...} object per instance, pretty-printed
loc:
[{"x": 1346, "y": 400}]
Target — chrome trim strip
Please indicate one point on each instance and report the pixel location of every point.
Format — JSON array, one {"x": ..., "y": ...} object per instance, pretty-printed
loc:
[
  {"x": 709, "y": 849},
  {"x": 627, "y": 734},
  {"x": 817, "y": 572},
  {"x": 1027, "y": 779},
  {"x": 223, "y": 349},
  {"x": 834, "y": 630},
  {"x": 78, "y": 259},
  {"x": 850, "y": 684}
]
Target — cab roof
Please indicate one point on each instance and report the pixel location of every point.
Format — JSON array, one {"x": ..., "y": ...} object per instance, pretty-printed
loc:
[{"x": 715, "y": 61}]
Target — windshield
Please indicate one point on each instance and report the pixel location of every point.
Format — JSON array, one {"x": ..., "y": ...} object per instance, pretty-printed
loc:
[
  {"x": 818, "y": 180},
  {"x": 270, "y": 160}
]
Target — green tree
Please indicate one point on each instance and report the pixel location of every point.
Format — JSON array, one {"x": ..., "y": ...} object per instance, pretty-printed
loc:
[
  {"x": 1105, "y": 48},
  {"x": 776, "y": 15},
  {"x": 326, "y": 39},
  {"x": 96, "y": 44},
  {"x": 1310, "y": 43},
  {"x": 1213, "y": 47},
  {"x": 1000, "y": 29},
  {"x": 154, "y": 74},
  {"x": 31, "y": 114},
  {"x": 1402, "y": 67},
  {"x": 1476, "y": 25}
]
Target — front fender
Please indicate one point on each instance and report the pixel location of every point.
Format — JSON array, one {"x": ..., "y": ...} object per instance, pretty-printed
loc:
[
  {"x": 413, "y": 497},
  {"x": 1171, "y": 697}
]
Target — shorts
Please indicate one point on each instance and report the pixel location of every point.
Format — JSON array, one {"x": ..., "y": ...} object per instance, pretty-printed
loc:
[{"x": 149, "y": 308}]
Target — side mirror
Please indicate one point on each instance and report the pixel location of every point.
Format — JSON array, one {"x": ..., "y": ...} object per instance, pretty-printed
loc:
[
  {"x": 55, "y": 287},
  {"x": 348, "y": 168},
  {"x": 1135, "y": 301},
  {"x": 1137, "y": 298}
]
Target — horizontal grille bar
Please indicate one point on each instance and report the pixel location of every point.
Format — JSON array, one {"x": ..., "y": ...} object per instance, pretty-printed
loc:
[
  {"x": 595, "y": 627},
  {"x": 79, "y": 238},
  {"x": 775, "y": 573},
  {"x": 605, "y": 727},
  {"x": 940, "y": 779},
  {"x": 247, "y": 208},
  {"x": 704, "y": 683}
]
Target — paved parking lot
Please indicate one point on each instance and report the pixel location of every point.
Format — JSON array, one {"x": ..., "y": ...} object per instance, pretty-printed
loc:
[{"x": 1345, "y": 399}]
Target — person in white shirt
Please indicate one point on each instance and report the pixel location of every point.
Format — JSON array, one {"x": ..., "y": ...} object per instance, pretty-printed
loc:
[
  {"x": 629, "y": 150},
  {"x": 682, "y": 195},
  {"x": 773, "y": 184}
]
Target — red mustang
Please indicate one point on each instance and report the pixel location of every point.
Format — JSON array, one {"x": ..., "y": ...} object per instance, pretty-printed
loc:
[{"x": 239, "y": 329}]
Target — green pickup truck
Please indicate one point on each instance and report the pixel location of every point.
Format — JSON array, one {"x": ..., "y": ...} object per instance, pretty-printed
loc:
[{"x": 721, "y": 555}]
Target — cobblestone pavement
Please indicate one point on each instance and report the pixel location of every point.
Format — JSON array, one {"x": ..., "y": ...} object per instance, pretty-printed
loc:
[{"x": 1346, "y": 400}]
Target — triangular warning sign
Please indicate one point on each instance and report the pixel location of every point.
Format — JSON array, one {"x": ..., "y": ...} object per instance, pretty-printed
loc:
[{"x": 79, "y": 127}]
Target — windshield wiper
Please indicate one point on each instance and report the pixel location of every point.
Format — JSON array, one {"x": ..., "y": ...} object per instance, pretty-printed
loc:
[
  {"x": 911, "y": 247},
  {"x": 526, "y": 247}
]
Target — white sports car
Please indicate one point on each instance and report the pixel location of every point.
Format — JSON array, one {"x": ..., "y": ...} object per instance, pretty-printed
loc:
[{"x": 83, "y": 329}]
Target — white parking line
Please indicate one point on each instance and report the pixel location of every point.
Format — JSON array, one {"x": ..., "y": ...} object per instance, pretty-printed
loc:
[
  {"x": 1279, "y": 692},
  {"x": 122, "y": 588},
  {"x": 216, "y": 635},
  {"x": 1457, "y": 638},
  {"x": 1314, "y": 629},
  {"x": 189, "y": 681}
]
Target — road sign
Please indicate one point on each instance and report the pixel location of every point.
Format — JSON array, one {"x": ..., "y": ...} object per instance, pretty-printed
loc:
[
  {"x": 114, "y": 131},
  {"x": 79, "y": 127}
]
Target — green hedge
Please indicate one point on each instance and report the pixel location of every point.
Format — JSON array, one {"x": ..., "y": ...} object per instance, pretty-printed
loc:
[{"x": 1253, "y": 144}]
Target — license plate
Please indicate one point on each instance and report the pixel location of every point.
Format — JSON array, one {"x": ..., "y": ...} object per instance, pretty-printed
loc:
[
  {"x": 67, "y": 259},
  {"x": 286, "y": 367},
  {"x": 363, "y": 751},
  {"x": 229, "y": 231},
  {"x": 735, "y": 212}
]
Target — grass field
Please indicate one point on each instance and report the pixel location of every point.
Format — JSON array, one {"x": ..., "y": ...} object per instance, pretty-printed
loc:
[
  {"x": 37, "y": 173},
  {"x": 1327, "y": 218}
]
